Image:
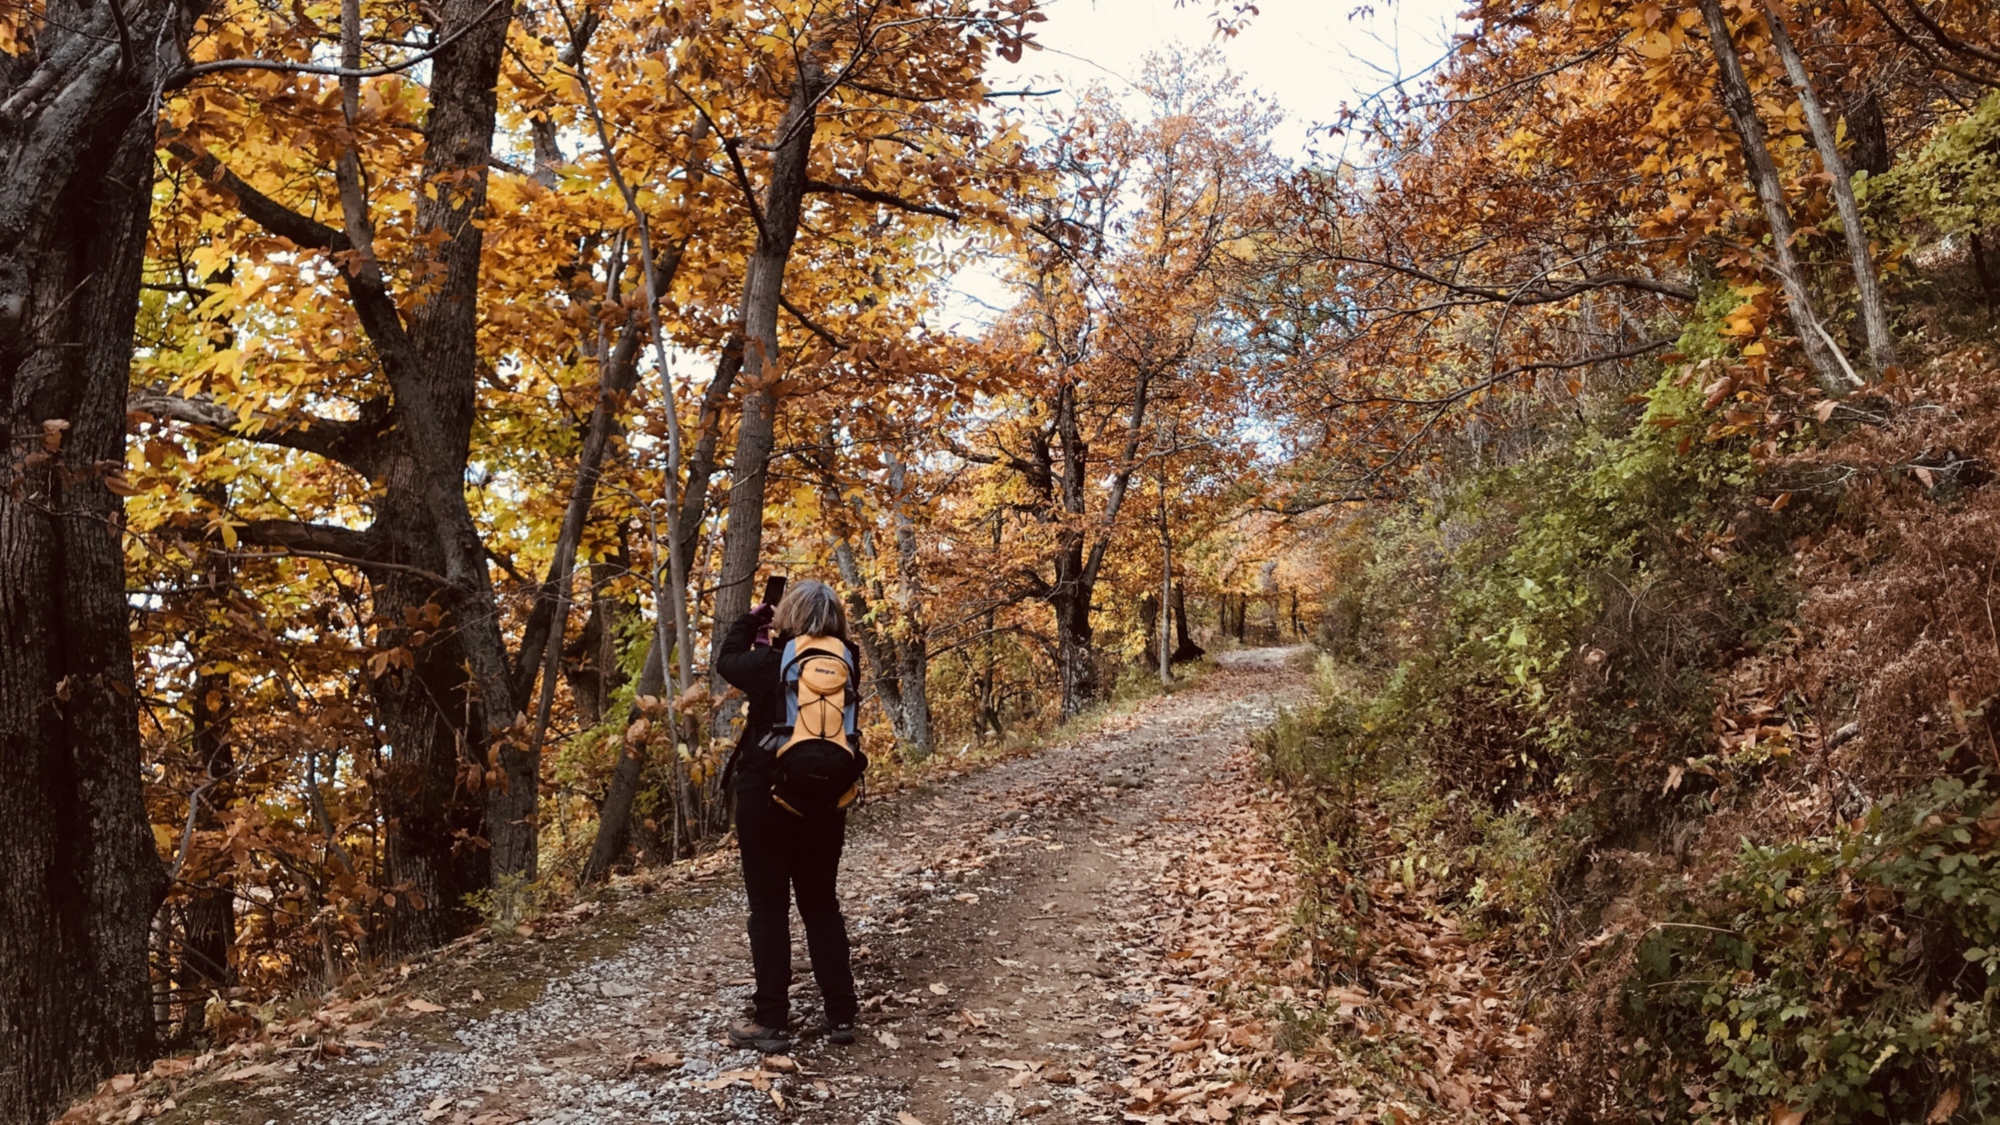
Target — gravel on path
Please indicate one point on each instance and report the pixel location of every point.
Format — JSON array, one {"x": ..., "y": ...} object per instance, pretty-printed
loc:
[{"x": 1001, "y": 921}]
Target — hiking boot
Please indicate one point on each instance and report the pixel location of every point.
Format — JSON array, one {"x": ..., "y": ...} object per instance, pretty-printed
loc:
[
  {"x": 842, "y": 1033},
  {"x": 766, "y": 1040}
]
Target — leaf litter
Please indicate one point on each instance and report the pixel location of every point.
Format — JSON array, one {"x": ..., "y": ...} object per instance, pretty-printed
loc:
[{"x": 1103, "y": 932}]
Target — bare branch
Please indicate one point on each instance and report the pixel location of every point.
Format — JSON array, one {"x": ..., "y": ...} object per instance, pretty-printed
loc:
[
  {"x": 347, "y": 442},
  {"x": 259, "y": 208},
  {"x": 812, "y": 325},
  {"x": 887, "y": 199},
  {"x": 189, "y": 74}
]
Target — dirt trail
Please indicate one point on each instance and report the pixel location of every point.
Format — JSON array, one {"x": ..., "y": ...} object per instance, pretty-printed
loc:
[{"x": 1002, "y": 924}]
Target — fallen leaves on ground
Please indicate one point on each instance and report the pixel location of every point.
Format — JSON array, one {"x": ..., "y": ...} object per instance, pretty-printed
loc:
[
  {"x": 1249, "y": 1027},
  {"x": 256, "y": 1047}
]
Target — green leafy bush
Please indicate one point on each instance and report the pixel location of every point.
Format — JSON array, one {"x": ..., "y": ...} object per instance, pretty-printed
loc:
[
  {"x": 1952, "y": 184},
  {"x": 1849, "y": 976}
]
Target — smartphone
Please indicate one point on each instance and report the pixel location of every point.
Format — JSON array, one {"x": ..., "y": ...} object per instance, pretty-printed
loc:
[{"x": 774, "y": 589}]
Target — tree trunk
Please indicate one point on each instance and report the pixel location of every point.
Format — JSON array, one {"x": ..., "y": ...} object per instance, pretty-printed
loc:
[
  {"x": 1074, "y": 635},
  {"x": 596, "y": 671},
  {"x": 1072, "y": 592},
  {"x": 80, "y": 879},
  {"x": 1867, "y": 283},
  {"x": 912, "y": 648},
  {"x": 763, "y": 288},
  {"x": 1184, "y": 648},
  {"x": 434, "y": 768},
  {"x": 210, "y": 929},
  {"x": 1871, "y": 137},
  {"x": 614, "y": 817},
  {"x": 989, "y": 704},
  {"x": 436, "y": 390},
  {"x": 1165, "y": 650},
  {"x": 878, "y": 651},
  {"x": 1737, "y": 99},
  {"x": 1977, "y": 250}
]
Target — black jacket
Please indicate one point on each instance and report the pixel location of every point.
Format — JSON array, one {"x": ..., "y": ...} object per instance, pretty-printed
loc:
[{"x": 753, "y": 669}]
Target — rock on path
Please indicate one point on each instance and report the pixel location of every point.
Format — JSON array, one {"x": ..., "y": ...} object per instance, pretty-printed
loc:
[{"x": 1000, "y": 923}]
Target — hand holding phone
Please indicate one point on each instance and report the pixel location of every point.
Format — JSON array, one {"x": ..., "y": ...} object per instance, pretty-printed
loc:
[{"x": 774, "y": 592}]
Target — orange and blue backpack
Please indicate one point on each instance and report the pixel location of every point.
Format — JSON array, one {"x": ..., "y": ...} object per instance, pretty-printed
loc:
[{"x": 817, "y": 749}]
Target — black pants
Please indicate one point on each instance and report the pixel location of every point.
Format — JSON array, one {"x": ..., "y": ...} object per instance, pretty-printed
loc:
[{"x": 786, "y": 856}]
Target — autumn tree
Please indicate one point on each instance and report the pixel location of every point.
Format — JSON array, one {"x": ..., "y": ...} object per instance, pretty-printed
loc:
[
  {"x": 79, "y": 88},
  {"x": 1540, "y": 217},
  {"x": 1121, "y": 315}
]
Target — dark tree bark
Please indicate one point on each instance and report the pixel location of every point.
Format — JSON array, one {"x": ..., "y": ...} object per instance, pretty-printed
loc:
[
  {"x": 1977, "y": 250},
  {"x": 79, "y": 876},
  {"x": 209, "y": 931},
  {"x": 1071, "y": 592},
  {"x": 434, "y": 851},
  {"x": 1184, "y": 647},
  {"x": 913, "y": 660},
  {"x": 436, "y": 386},
  {"x": 449, "y": 708},
  {"x": 1871, "y": 152},
  {"x": 595, "y": 670},
  {"x": 989, "y": 703}
]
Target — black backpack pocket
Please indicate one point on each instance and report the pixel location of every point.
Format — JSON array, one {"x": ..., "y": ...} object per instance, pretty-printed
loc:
[{"x": 815, "y": 775}]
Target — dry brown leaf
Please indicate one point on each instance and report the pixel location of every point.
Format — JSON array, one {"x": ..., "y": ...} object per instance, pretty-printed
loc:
[
  {"x": 425, "y": 1006},
  {"x": 1947, "y": 1104}
]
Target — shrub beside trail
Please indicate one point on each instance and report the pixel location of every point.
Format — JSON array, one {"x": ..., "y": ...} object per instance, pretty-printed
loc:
[{"x": 1703, "y": 741}]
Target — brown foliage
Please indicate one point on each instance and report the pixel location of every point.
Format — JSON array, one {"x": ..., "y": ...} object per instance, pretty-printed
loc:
[{"x": 1900, "y": 592}]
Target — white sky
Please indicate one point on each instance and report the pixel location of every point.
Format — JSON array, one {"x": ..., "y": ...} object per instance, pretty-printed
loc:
[{"x": 1308, "y": 55}]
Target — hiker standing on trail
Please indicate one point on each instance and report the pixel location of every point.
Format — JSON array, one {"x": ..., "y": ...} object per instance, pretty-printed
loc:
[{"x": 796, "y": 768}]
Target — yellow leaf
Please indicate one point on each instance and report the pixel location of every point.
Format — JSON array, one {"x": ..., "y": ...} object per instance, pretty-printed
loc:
[{"x": 1654, "y": 45}]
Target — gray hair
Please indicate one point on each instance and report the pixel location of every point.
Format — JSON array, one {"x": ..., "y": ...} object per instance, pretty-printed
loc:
[{"x": 811, "y": 609}]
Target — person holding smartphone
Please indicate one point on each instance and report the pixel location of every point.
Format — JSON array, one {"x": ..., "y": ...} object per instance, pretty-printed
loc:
[{"x": 785, "y": 855}]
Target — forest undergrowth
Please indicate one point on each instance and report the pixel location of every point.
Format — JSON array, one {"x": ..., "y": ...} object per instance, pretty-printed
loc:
[{"x": 1696, "y": 754}]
